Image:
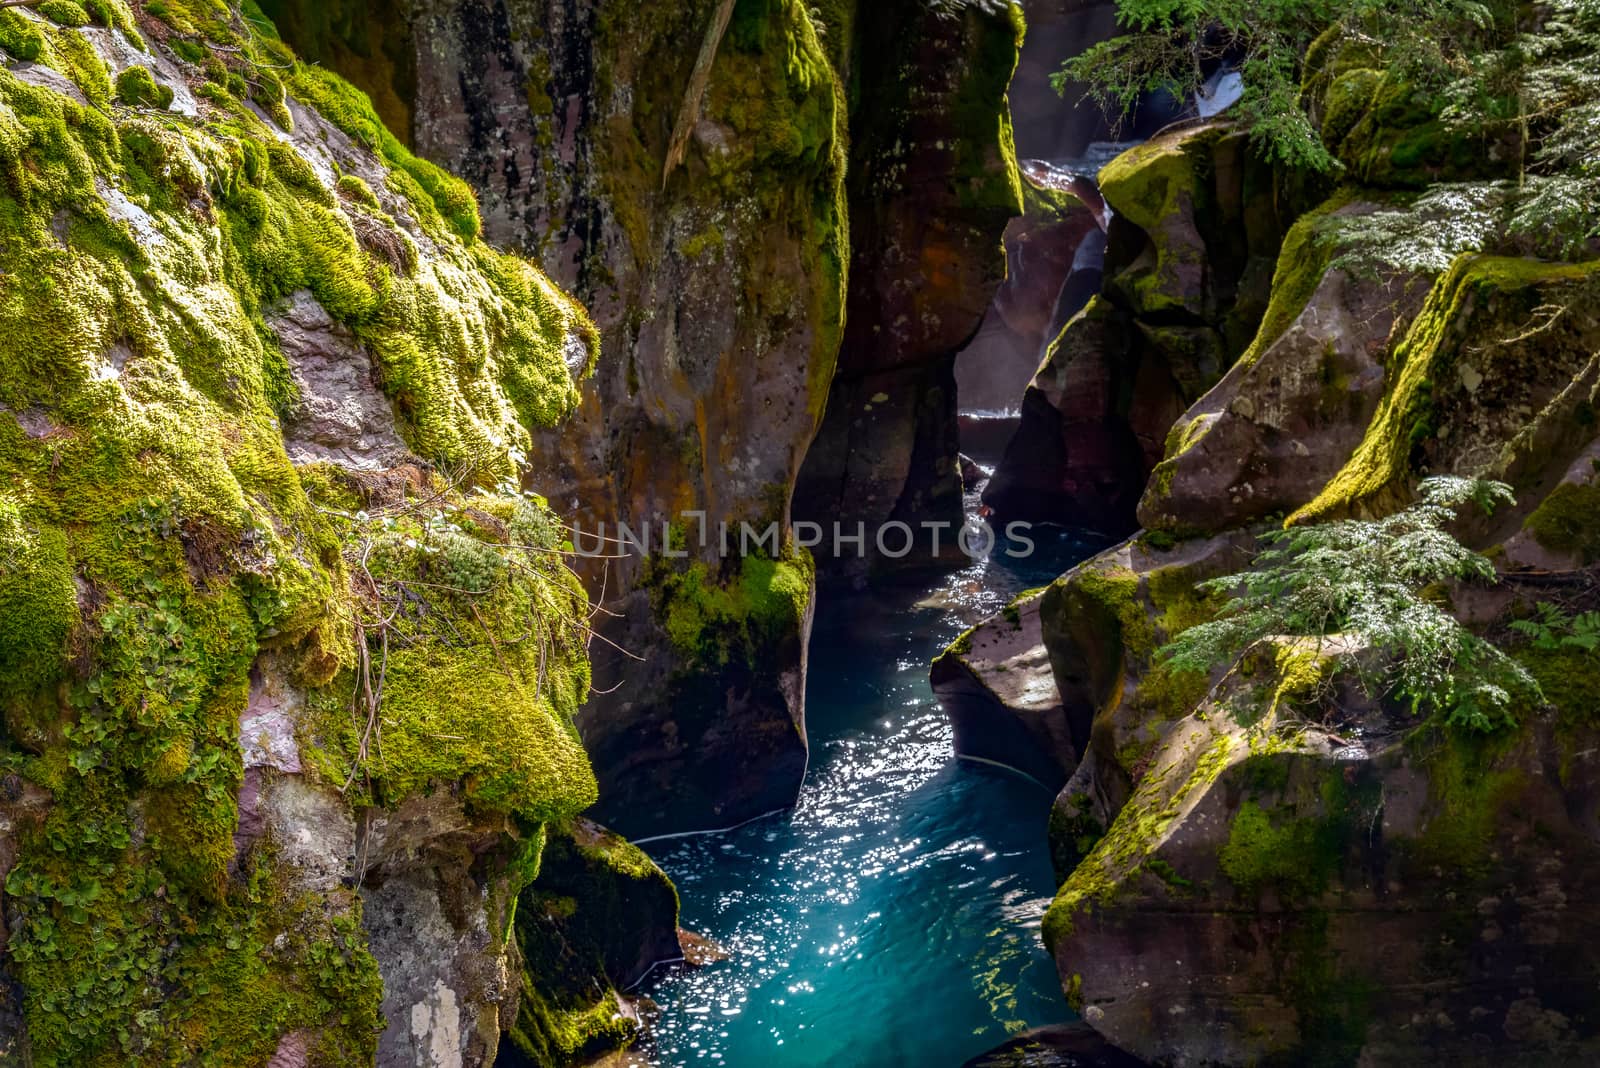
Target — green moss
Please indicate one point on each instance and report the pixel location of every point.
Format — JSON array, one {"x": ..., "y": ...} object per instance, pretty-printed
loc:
[
  {"x": 20, "y": 36},
  {"x": 437, "y": 193},
  {"x": 136, "y": 87},
  {"x": 38, "y": 605},
  {"x": 1568, "y": 521},
  {"x": 64, "y": 12},
  {"x": 1479, "y": 293},
  {"x": 581, "y": 926},
  {"x": 1468, "y": 786},
  {"x": 1401, "y": 139},
  {"x": 481, "y": 678},
  {"x": 1347, "y": 100},
  {"x": 155, "y": 540},
  {"x": 1570, "y": 679},
  {"x": 1296, "y": 857},
  {"x": 712, "y": 621}
]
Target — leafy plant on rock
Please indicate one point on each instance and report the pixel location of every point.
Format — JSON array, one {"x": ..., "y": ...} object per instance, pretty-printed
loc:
[{"x": 1374, "y": 581}]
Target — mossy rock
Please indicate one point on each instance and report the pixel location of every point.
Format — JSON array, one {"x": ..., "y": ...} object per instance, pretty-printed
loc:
[
  {"x": 136, "y": 87},
  {"x": 597, "y": 917},
  {"x": 1449, "y": 393},
  {"x": 157, "y": 544}
]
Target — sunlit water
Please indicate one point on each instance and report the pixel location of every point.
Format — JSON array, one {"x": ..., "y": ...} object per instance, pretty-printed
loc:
[{"x": 893, "y": 917}]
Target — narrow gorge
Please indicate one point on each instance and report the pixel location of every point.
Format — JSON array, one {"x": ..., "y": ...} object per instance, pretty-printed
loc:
[{"x": 768, "y": 534}]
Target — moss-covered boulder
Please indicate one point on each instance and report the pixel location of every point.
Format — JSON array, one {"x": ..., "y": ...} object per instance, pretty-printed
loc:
[
  {"x": 1291, "y": 886},
  {"x": 1499, "y": 340},
  {"x": 1290, "y": 412},
  {"x": 1101, "y": 624}
]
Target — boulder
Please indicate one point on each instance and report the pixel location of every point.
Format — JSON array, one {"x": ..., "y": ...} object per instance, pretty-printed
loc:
[
  {"x": 1303, "y": 877},
  {"x": 996, "y": 685},
  {"x": 1290, "y": 412},
  {"x": 1187, "y": 272},
  {"x": 1102, "y": 624}
]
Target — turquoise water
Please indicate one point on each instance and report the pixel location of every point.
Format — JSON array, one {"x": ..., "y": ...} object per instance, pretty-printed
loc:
[{"x": 893, "y": 917}]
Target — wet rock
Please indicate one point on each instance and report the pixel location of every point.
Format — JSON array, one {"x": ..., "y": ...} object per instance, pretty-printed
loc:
[
  {"x": 996, "y": 685},
  {"x": 700, "y": 950}
]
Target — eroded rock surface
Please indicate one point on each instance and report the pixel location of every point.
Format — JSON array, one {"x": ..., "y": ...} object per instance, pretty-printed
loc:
[
  {"x": 997, "y": 687},
  {"x": 932, "y": 184},
  {"x": 1187, "y": 273}
]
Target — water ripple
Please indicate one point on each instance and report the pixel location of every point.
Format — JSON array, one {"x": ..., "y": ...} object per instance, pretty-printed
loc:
[{"x": 892, "y": 917}]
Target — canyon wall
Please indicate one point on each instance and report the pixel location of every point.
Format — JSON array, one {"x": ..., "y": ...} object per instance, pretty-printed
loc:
[
  {"x": 1273, "y": 863},
  {"x": 289, "y": 661},
  {"x": 728, "y": 326}
]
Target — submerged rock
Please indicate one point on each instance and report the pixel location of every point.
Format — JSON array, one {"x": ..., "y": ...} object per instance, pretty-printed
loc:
[{"x": 1060, "y": 1046}]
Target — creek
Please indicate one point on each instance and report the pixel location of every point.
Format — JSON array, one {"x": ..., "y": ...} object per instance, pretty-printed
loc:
[{"x": 892, "y": 917}]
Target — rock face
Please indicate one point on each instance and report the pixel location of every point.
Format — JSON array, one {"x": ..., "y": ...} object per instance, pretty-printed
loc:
[
  {"x": 1270, "y": 865},
  {"x": 1187, "y": 274},
  {"x": 932, "y": 185},
  {"x": 719, "y": 297},
  {"x": 1285, "y": 882},
  {"x": 719, "y": 293},
  {"x": 1056, "y": 238},
  {"x": 270, "y": 793}
]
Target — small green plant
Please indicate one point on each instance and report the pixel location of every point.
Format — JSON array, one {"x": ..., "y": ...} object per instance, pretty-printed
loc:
[
  {"x": 1372, "y": 580},
  {"x": 1553, "y": 628}
]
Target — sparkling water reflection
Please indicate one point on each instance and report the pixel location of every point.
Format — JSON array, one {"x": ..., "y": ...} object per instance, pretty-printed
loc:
[{"x": 892, "y": 918}]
